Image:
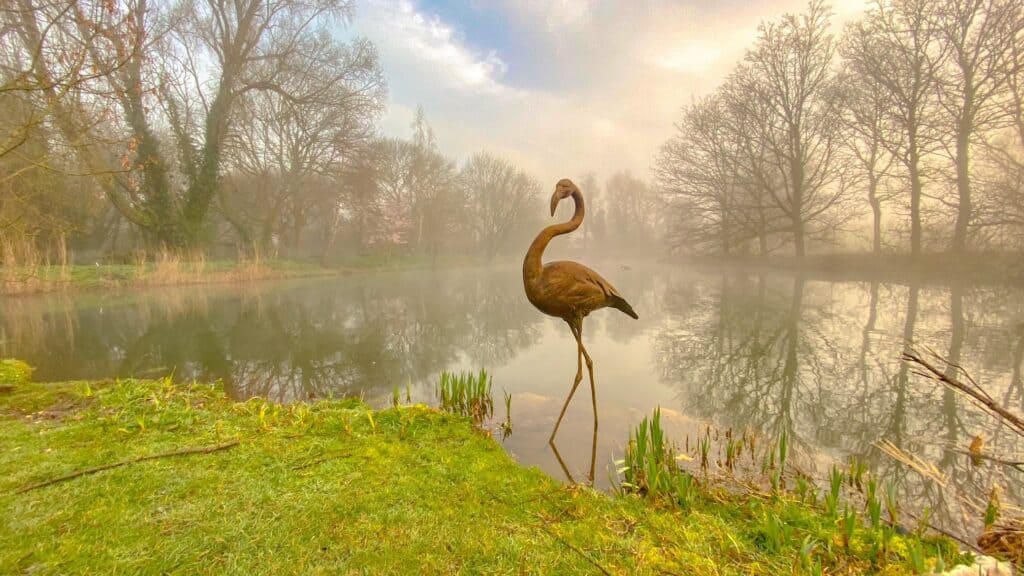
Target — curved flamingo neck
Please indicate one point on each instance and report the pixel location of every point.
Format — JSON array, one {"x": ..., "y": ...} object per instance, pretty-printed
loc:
[{"x": 532, "y": 265}]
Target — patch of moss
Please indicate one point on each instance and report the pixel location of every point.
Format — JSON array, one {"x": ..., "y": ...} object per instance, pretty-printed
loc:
[
  {"x": 336, "y": 488},
  {"x": 14, "y": 372}
]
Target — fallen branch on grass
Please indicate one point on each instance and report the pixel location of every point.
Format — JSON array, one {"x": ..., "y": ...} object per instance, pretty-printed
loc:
[
  {"x": 95, "y": 469},
  {"x": 542, "y": 523},
  {"x": 569, "y": 545},
  {"x": 321, "y": 460}
]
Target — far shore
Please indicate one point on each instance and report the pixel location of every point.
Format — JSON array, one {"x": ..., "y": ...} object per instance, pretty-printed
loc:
[
  {"x": 988, "y": 268},
  {"x": 174, "y": 272},
  {"x": 973, "y": 269}
]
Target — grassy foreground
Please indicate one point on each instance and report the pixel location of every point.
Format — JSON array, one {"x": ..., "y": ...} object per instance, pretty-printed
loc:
[{"x": 336, "y": 488}]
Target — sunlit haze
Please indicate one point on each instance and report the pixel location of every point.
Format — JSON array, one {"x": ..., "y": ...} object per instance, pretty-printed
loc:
[{"x": 562, "y": 88}]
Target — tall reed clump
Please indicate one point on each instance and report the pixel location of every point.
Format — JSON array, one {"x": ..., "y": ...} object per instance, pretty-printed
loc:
[
  {"x": 250, "y": 267},
  {"x": 467, "y": 394},
  {"x": 170, "y": 267},
  {"x": 506, "y": 426},
  {"x": 20, "y": 266},
  {"x": 649, "y": 467}
]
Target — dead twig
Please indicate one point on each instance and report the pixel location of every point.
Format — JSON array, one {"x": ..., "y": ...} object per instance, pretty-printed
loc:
[
  {"x": 972, "y": 546},
  {"x": 920, "y": 466},
  {"x": 542, "y": 523},
  {"x": 95, "y": 469},
  {"x": 570, "y": 546},
  {"x": 1019, "y": 465},
  {"x": 971, "y": 389},
  {"x": 312, "y": 463}
]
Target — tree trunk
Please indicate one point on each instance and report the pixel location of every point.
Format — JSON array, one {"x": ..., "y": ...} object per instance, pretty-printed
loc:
[
  {"x": 798, "y": 240},
  {"x": 202, "y": 191},
  {"x": 797, "y": 214},
  {"x": 915, "y": 195},
  {"x": 329, "y": 238},
  {"x": 963, "y": 189},
  {"x": 723, "y": 225},
  {"x": 876, "y": 216},
  {"x": 298, "y": 224}
]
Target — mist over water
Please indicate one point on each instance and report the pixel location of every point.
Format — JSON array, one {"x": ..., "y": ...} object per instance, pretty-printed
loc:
[{"x": 741, "y": 350}]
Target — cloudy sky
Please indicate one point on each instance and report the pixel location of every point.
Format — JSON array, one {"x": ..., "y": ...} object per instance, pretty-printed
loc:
[{"x": 560, "y": 87}]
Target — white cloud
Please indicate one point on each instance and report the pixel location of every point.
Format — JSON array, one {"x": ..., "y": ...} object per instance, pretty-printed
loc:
[
  {"x": 401, "y": 31},
  {"x": 556, "y": 14},
  {"x": 690, "y": 57}
]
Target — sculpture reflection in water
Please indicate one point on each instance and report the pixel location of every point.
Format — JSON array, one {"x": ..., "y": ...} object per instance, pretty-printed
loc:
[{"x": 565, "y": 469}]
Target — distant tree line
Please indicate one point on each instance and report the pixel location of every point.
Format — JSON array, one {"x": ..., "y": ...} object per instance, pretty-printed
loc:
[{"x": 907, "y": 127}]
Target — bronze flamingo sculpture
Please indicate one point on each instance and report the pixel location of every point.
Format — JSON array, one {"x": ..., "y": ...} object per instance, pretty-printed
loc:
[{"x": 569, "y": 290}]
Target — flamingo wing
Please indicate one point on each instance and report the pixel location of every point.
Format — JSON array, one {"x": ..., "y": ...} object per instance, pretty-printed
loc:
[{"x": 582, "y": 289}]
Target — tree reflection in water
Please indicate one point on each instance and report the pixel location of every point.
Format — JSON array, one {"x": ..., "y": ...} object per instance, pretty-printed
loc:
[
  {"x": 820, "y": 361},
  {"x": 295, "y": 341}
]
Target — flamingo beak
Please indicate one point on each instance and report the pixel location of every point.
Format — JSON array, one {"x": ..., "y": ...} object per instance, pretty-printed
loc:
[{"x": 555, "y": 199}]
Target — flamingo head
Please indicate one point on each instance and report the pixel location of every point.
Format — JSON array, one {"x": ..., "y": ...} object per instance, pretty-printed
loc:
[{"x": 563, "y": 189}]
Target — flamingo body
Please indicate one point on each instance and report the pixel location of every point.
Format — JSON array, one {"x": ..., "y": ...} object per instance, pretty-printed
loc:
[{"x": 569, "y": 290}]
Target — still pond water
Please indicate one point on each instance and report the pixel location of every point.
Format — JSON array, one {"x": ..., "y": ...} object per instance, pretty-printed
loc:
[{"x": 817, "y": 359}]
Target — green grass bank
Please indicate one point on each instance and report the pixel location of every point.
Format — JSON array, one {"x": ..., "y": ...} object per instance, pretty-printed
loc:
[{"x": 334, "y": 487}]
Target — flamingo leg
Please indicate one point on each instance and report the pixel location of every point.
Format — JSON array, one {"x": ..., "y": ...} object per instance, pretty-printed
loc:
[
  {"x": 579, "y": 378},
  {"x": 590, "y": 372},
  {"x": 593, "y": 457},
  {"x": 593, "y": 396}
]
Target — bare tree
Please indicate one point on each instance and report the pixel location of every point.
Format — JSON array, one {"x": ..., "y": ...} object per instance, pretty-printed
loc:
[
  {"x": 1001, "y": 210},
  {"x": 758, "y": 183},
  {"x": 791, "y": 74},
  {"x": 714, "y": 174},
  {"x": 980, "y": 37},
  {"x": 697, "y": 170},
  {"x": 432, "y": 181},
  {"x": 301, "y": 140},
  {"x": 632, "y": 210},
  {"x": 867, "y": 129},
  {"x": 895, "y": 46},
  {"x": 44, "y": 198},
  {"x": 417, "y": 193},
  {"x": 47, "y": 65},
  {"x": 501, "y": 203}
]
